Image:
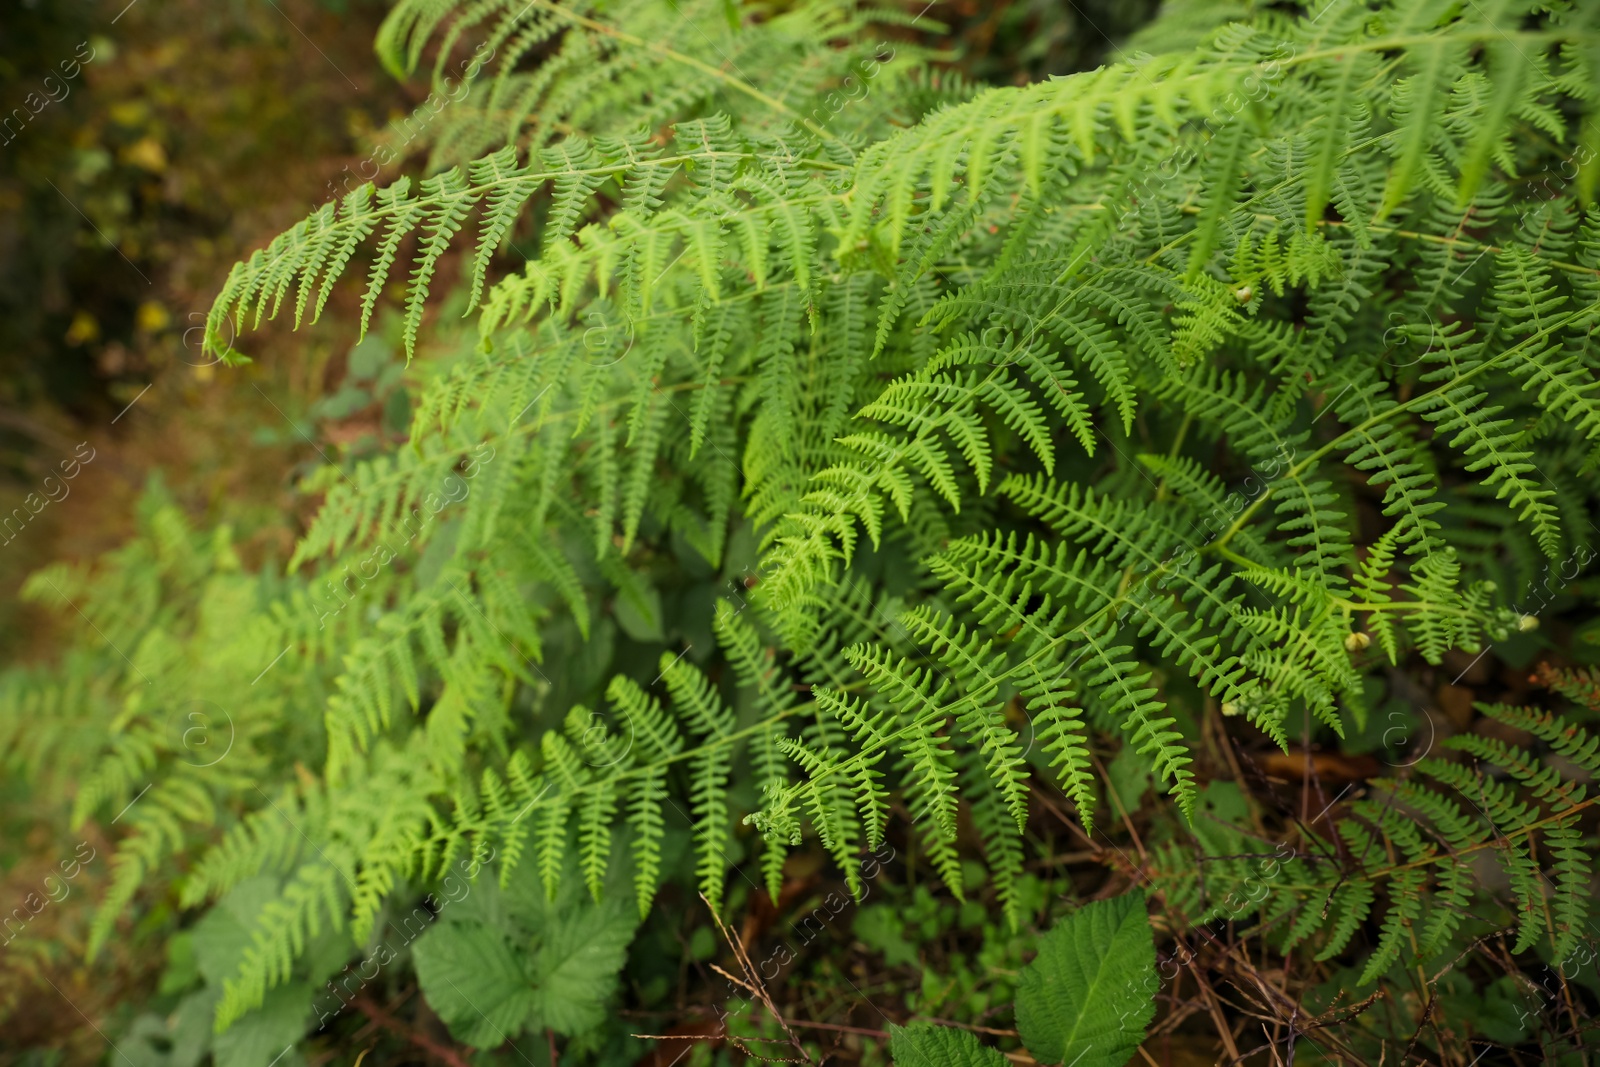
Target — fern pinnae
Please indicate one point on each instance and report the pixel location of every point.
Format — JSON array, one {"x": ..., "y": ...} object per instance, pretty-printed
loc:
[
  {"x": 356, "y": 215},
  {"x": 1511, "y": 819},
  {"x": 1417, "y": 100},
  {"x": 715, "y": 328},
  {"x": 978, "y": 715},
  {"x": 499, "y": 814},
  {"x": 1002, "y": 846},
  {"x": 1488, "y": 443},
  {"x": 923, "y": 755},
  {"x": 404, "y": 215},
  {"x": 757, "y": 672},
  {"x": 322, "y": 245},
  {"x": 981, "y": 249},
  {"x": 1573, "y": 742},
  {"x": 831, "y": 812},
  {"x": 604, "y": 465},
  {"x": 504, "y": 203},
  {"x": 1222, "y": 176},
  {"x": 932, "y": 798},
  {"x": 772, "y": 771},
  {"x": 645, "y": 799},
  {"x": 1574, "y": 870},
  {"x": 1351, "y": 903},
  {"x": 1114, "y": 677},
  {"x": 1332, "y": 131},
  {"x": 1389, "y": 455},
  {"x": 550, "y": 842},
  {"x": 645, "y": 449},
  {"x": 696, "y": 696},
  {"x": 642, "y": 186},
  {"x": 285, "y": 257},
  {"x": 594, "y": 836},
  {"x": 577, "y": 172},
  {"x": 709, "y": 768}
]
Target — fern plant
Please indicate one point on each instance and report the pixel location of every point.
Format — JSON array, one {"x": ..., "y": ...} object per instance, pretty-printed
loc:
[
  {"x": 828, "y": 464},
  {"x": 1399, "y": 879},
  {"x": 1417, "y": 838}
]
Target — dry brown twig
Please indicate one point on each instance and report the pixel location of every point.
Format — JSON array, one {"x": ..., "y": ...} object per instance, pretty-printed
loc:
[
  {"x": 386, "y": 1021},
  {"x": 754, "y": 984}
]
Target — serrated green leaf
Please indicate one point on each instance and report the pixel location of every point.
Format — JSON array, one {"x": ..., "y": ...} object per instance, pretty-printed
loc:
[
  {"x": 926, "y": 1045},
  {"x": 499, "y": 962},
  {"x": 474, "y": 980},
  {"x": 1090, "y": 992}
]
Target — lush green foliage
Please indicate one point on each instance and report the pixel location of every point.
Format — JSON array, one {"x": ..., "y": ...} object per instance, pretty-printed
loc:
[
  {"x": 838, "y": 455},
  {"x": 1085, "y": 999}
]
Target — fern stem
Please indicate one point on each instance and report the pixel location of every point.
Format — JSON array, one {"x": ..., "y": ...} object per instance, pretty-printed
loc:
[
  {"x": 1374, "y": 227},
  {"x": 711, "y": 743},
  {"x": 1413, "y": 235},
  {"x": 1493, "y": 842},
  {"x": 1388, "y": 413},
  {"x": 1448, "y": 855},
  {"x": 1351, "y": 606},
  {"x": 705, "y": 68},
  {"x": 1449, "y": 36}
]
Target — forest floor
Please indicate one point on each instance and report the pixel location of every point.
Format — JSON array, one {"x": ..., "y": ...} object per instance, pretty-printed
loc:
[{"x": 193, "y": 132}]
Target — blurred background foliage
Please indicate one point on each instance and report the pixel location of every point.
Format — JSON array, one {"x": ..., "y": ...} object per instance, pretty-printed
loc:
[
  {"x": 148, "y": 146},
  {"x": 193, "y": 131}
]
